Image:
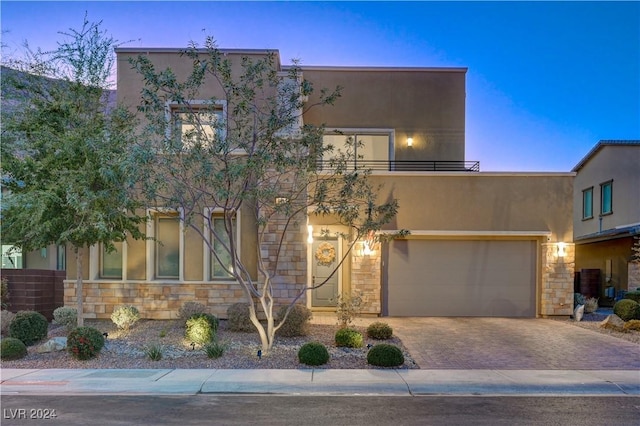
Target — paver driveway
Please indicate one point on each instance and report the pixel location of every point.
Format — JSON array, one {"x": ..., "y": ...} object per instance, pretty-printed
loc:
[{"x": 508, "y": 343}]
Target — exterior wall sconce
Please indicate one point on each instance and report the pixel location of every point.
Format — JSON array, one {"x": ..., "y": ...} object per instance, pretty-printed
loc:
[
  {"x": 310, "y": 234},
  {"x": 281, "y": 200},
  {"x": 366, "y": 249},
  {"x": 409, "y": 141},
  {"x": 561, "y": 249}
]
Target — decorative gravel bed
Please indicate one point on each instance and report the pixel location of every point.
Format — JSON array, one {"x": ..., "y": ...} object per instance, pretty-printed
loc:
[
  {"x": 592, "y": 322},
  {"x": 127, "y": 350}
]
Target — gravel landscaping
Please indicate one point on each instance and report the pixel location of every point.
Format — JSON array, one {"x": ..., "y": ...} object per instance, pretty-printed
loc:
[{"x": 127, "y": 350}]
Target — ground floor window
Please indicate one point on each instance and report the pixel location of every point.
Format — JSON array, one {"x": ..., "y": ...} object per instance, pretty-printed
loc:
[
  {"x": 111, "y": 262},
  {"x": 167, "y": 246}
]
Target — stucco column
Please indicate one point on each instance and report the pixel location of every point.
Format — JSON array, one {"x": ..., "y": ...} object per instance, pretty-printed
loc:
[{"x": 558, "y": 267}]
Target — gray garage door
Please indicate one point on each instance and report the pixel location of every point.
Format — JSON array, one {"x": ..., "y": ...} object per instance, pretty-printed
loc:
[{"x": 461, "y": 278}]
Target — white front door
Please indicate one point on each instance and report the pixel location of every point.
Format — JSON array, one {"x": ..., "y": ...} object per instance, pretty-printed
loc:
[{"x": 325, "y": 258}]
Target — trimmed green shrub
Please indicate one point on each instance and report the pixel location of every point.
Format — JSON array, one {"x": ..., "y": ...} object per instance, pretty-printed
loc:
[
  {"x": 12, "y": 348},
  {"x": 190, "y": 309},
  {"x": 29, "y": 326},
  {"x": 66, "y": 316},
  {"x": 5, "y": 321},
  {"x": 238, "y": 318},
  {"x": 385, "y": 355},
  {"x": 633, "y": 295},
  {"x": 201, "y": 328},
  {"x": 349, "y": 338},
  {"x": 313, "y": 353},
  {"x": 626, "y": 309},
  {"x": 633, "y": 324},
  {"x": 84, "y": 343},
  {"x": 125, "y": 316},
  {"x": 297, "y": 322},
  {"x": 379, "y": 331},
  {"x": 214, "y": 349}
]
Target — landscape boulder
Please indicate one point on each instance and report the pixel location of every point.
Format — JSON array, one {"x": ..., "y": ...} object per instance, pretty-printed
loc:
[
  {"x": 613, "y": 322},
  {"x": 53, "y": 345}
]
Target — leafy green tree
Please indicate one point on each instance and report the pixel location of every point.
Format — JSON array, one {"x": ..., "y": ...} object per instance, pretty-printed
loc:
[
  {"x": 64, "y": 150},
  {"x": 252, "y": 156}
]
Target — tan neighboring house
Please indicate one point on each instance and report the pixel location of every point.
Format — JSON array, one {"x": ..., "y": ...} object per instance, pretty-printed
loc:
[
  {"x": 606, "y": 209},
  {"x": 481, "y": 244}
]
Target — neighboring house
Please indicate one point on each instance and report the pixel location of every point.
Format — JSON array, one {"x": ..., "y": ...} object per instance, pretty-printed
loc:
[
  {"x": 481, "y": 244},
  {"x": 606, "y": 211}
]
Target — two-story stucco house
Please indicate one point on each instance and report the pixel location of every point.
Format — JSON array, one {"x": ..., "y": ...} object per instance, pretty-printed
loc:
[
  {"x": 606, "y": 210},
  {"x": 481, "y": 243}
]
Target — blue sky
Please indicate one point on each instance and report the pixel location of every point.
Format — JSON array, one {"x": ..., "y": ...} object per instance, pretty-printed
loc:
[{"x": 546, "y": 80}]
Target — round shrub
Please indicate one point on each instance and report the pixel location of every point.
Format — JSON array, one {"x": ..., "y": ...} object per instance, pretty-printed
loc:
[
  {"x": 29, "y": 326},
  {"x": 626, "y": 309},
  {"x": 297, "y": 322},
  {"x": 84, "y": 342},
  {"x": 189, "y": 309},
  {"x": 238, "y": 318},
  {"x": 12, "y": 348},
  {"x": 313, "y": 353},
  {"x": 349, "y": 338},
  {"x": 385, "y": 355},
  {"x": 201, "y": 328},
  {"x": 125, "y": 316},
  {"x": 379, "y": 331},
  {"x": 633, "y": 295},
  {"x": 66, "y": 316}
]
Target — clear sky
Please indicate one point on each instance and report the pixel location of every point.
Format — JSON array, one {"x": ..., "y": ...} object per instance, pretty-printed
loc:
[{"x": 546, "y": 80}]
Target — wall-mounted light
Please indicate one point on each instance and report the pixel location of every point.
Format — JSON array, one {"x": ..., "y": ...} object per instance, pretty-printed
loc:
[
  {"x": 310, "y": 234},
  {"x": 561, "y": 249},
  {"x": 281, "y": 200},
  {"x": 409, "y": 141},
  {"x": 366, "y": 249}
]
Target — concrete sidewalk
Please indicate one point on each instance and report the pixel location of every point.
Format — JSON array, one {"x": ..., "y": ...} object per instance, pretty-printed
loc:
[{"x": 320, "y": 382}]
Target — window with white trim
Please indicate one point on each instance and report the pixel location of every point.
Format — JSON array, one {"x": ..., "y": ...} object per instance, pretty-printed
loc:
[
  {"x": 220, "y": 258},
  {"x": 167, "y": 246},
  {"x": 587, "y": 203},
  {"x": 606, "y": 197},
  {"x": 197, "y": 123},
  {"x": 111, "y": 262}
]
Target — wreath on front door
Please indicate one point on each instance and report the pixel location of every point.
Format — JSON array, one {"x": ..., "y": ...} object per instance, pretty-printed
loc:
[{"x": 325, "y": 254}]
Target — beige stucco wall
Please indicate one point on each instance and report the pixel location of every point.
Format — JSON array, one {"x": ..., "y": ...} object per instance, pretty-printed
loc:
[
  {"x": 482, "y": 202},
  {"x": 595, "y": 255},
  {"x": 619, "y": 163},
  {"x": 426, "y": 104}
]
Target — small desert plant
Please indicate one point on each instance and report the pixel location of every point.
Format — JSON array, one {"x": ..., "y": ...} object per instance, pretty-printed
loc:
[
  {"x": 346, "y": 309},
  {"x": 627, "y": 309},
  {"x": 633, "y": 295},
  {"x": 590, "y": 305},
  {"x": 385, "y": 355},
  {"x": 313, "y": 353},
  {"x": 349, "y": 338},
  {"x": 214, "y": 349},
  {"x": 66, "y": 316},
  {"x": 12, "y": 348},
  {"x": 297, "y": 322},
  {"x": 28, "y": 326},
  {"x": 633, "y": 324},
  {"x": 125, "y": 316},
  {"x": 154, "y": 352},
  {"x": 238, "y": 318},
  {"x": 5, "y": 321},
  {"x": 578, "y": 299},
  {"x": 190, "y": 309},
  {"x": 379, "y": 331},
  {"x": 84, "y": 342},
  {"x": 4, "y": 293},
  {"x": 201, "y": 328}
]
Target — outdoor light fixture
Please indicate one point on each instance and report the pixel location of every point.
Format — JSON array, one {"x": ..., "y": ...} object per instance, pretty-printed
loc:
[
  {"x": 367, "y": 249},
  {"x": 409, "y": 141},
  {"x": 561, "y": 247},
  {"x": 310, "y": 234}
]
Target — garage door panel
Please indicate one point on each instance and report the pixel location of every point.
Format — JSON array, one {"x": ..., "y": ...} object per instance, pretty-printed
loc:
[{"x": 461, "y": 278}]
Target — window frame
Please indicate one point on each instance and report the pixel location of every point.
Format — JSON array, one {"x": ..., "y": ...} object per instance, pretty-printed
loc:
[
  {"x": 584, "y": 204},
  {"x": 209, "y": 258},
  {"x": 152, "y": 252},
  {"x": 173, "y": 107},
  {"x": 356, "y": 132},
  {"x": 101, "y": 254},
  {"x": 604, "y": 185}
]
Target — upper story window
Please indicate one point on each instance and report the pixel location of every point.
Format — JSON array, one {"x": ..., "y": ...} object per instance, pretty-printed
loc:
[
  {"x": 11, "y": 257},
  {"x": 371, "y": 149},
  {"x": 606, "y": 198},
  {"x": 587, "y": 203},
  {"x": 197, "y": 123}
]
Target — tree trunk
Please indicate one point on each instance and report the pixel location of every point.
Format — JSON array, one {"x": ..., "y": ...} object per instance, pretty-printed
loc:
[{"x": 79, "y": 290}]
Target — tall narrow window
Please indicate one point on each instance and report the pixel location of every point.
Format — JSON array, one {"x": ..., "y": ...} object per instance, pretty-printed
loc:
[
  {"x": 587, "y": 203},
  {"x": 606, "y": 197},
  {"x": 167, "y": 254},
  {"x": 221, "y": 266},
  {"x": 111, "y": 262}
]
